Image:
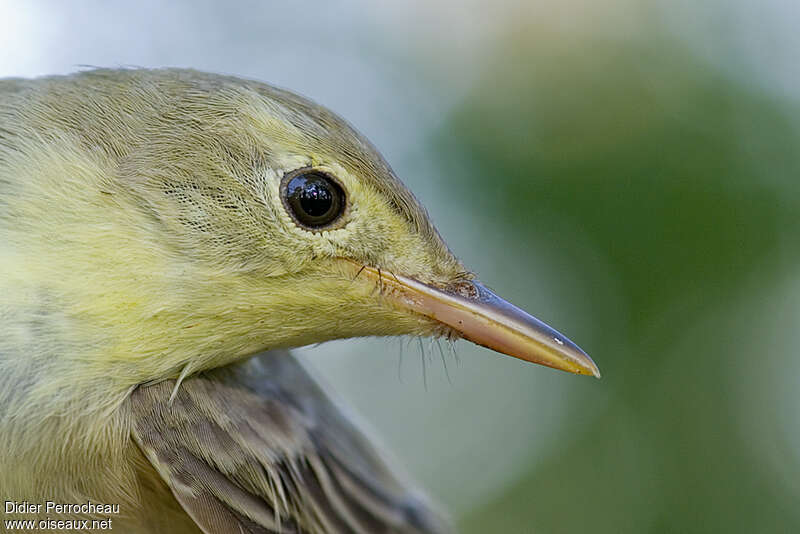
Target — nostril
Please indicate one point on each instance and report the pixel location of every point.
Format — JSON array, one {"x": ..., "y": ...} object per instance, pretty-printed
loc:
[{"x": 463, "y": 288}]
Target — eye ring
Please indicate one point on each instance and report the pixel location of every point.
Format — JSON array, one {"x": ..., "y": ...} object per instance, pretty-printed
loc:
[{"x": 313, "y": 198}]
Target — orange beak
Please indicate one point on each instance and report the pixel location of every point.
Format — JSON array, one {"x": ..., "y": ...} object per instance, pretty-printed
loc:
[{"x": 477, "y": 314}]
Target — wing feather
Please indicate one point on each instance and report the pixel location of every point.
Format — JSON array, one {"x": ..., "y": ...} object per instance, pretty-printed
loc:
[{"x": 259, "y": 448}]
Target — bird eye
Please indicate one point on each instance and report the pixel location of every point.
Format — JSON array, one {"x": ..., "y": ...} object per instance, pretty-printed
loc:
[{"x": 313, "y": 198}]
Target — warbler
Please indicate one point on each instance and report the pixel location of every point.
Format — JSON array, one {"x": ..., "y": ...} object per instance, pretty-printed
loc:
[{"x": 159, "y": 228}]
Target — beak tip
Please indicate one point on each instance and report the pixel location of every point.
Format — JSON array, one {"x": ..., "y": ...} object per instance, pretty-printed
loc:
[
  {"x": 588, "y": 367},
  {"x": 595, "y": 371}
]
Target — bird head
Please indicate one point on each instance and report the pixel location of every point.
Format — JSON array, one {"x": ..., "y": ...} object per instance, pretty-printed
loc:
[{"x": 249, "y": 218}]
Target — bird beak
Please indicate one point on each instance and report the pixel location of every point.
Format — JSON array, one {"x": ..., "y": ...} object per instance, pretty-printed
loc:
[{"x": 477, "y": 314}]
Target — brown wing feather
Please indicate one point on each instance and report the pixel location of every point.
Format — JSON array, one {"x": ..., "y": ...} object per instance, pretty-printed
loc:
[{"x": 259, "y": 448}]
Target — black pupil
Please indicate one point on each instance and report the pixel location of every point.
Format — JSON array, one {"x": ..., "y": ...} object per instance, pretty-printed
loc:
[
  {"x": 314, "y": 195},
  {"x": 314, "y": 198}
]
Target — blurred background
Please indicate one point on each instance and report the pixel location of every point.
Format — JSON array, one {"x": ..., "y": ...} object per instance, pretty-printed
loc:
[{"x": 626, "y": 170}]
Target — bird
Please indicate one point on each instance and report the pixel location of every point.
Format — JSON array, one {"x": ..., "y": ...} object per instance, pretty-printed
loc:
[{"x": 166, "y": 237}]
